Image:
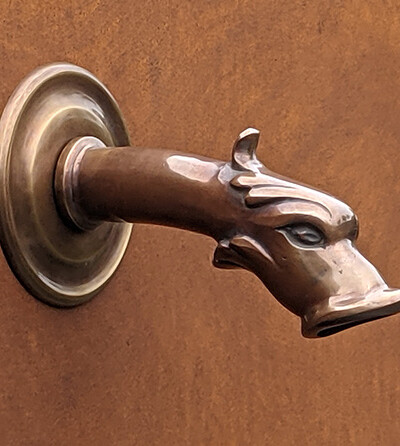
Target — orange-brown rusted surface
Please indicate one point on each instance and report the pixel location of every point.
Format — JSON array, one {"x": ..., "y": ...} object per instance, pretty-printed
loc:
[{"x": 194, "y": 355}]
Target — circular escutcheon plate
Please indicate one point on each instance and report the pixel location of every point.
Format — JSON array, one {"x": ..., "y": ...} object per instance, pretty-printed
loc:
[{"x": 52, "y": 106}]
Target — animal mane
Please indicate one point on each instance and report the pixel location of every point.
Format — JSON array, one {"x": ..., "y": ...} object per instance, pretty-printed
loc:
[{"x": 260, "y": 189}]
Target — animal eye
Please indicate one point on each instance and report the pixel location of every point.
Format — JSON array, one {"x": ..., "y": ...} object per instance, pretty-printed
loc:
[{"x": 304, "y": 234}]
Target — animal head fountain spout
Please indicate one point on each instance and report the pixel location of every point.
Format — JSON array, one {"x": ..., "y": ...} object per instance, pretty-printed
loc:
[
  {"x": 300, "y": 242},
  {"x": 71, "y": 185}
]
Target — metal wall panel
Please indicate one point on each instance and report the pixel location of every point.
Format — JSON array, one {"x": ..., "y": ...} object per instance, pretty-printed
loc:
[{"x": 175, "y": 352}]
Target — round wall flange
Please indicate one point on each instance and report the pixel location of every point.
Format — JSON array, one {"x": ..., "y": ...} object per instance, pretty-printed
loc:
[{"x": 55, "y": 262}]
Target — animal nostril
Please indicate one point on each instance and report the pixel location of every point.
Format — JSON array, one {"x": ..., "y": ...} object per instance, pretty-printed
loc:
[{"x": 353, "y": 234}]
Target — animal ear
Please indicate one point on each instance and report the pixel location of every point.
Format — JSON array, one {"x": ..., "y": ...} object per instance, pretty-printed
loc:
[{"x": 244, "y": 151}]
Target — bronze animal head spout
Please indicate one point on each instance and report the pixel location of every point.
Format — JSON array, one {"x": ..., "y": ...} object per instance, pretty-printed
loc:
[
  {"x": 300, "y": 242},
  {"x": 71, "y": 184}
]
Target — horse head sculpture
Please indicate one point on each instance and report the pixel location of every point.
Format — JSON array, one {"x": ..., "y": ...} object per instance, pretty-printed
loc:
[{"x": 299, "y": 241}]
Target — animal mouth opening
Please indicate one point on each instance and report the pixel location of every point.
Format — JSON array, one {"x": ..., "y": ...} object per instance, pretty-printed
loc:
[
  {"x": 340, "y": 326},
  {"x": 386, "y": 304}
]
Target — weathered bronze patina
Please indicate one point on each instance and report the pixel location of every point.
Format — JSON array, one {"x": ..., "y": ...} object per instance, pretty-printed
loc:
[{"x": 299, "y": 241}]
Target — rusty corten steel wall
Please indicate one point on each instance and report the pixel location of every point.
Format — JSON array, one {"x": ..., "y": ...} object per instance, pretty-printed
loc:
[{"x": 175, "y": 352}]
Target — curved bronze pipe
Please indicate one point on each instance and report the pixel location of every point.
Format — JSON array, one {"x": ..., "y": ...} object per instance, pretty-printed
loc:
[{"x": 297, "y": 240}]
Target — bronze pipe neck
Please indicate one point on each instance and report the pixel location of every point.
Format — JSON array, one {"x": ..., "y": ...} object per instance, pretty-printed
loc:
[{"x": 139, "y": 185}]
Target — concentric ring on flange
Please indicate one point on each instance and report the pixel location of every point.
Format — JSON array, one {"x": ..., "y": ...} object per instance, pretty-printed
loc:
[{"x": 52, "y": 106}]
